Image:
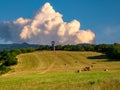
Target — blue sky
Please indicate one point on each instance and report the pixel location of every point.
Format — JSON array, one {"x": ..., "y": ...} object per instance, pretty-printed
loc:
[{"x": 101, "y": 16}]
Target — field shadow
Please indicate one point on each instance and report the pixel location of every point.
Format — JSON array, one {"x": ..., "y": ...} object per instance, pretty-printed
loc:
[
  {"x": 98, "y": 57},
  {"x": 103, "y": 57}
]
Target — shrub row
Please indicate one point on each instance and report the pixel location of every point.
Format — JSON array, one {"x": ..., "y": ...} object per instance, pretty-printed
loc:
[
  {"x": 112, "y": 51},
  {"x": 8, "y": 58}
]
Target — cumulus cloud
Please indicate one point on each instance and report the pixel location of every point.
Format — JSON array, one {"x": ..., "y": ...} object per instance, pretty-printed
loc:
[{"x": 46, "y": 26}]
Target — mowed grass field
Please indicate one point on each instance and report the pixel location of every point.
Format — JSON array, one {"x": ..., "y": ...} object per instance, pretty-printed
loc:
[{"x": 47, "y": 70}]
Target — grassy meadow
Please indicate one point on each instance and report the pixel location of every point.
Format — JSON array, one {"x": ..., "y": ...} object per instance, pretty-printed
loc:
[{"x": 47, "y": 70}]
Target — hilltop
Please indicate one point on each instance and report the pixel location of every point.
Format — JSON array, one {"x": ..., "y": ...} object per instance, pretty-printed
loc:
[
  {"x": 62, "y": 61},
  {"x": 58, "y": 70}
]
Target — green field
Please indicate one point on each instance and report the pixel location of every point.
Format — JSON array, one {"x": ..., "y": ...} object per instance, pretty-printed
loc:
[{"x": 47, "y": 70}]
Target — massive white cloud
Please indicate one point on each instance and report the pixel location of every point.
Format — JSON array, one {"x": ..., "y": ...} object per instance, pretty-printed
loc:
[{"x": 46, "y": 26}]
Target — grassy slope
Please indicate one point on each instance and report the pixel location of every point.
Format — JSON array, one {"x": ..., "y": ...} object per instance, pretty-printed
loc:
[{"x": 47, "y": 70}]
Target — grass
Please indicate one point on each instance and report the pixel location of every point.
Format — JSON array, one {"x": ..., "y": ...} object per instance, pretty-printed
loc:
[{"x": 46, "y": 70}]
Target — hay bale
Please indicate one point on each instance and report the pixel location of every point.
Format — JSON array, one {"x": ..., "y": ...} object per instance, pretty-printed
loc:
[
  {"x": 105, "y": 69},
  {"x": 78, "y": 71},
  {"x": 91, "y": 66},
  {"x": 76, "y": 62},
  {"x": 87, "y": 69}
]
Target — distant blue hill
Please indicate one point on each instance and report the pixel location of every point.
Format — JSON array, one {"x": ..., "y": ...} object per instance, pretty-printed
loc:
[{"x": 17, "y": 46}]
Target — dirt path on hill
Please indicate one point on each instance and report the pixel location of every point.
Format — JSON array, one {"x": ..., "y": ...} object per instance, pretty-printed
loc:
[
  {"x": 52, "y": 65},
  {"x": 45, "y": 71},
  {"x": 49, "y": 68}
]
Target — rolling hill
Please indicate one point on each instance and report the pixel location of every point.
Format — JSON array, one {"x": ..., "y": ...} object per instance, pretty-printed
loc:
[{"x": 58, "y": 70}]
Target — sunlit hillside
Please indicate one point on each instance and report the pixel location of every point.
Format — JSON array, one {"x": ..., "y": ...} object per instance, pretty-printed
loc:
[{"x": 62, "y": 70}]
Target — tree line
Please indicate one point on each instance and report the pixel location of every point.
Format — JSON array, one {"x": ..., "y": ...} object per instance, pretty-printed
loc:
[
  {"x": 8, "y": 57},
  {"x": 112, "y": 51}
]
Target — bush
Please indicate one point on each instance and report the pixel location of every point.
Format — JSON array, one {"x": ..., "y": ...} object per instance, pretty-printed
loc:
[
  {"x": 113, "y": 52},
  {"x": 4, "y": 69},
  {"x": 12, "y": 61},
  {"x": 8, "y": 58}
]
